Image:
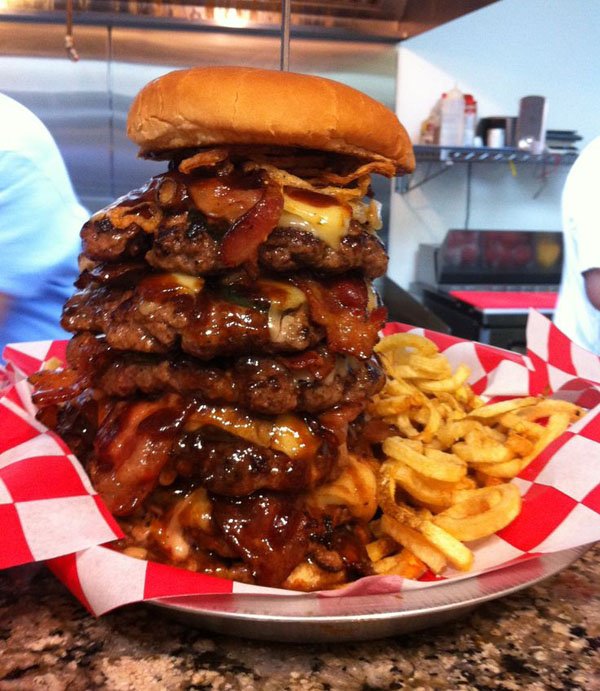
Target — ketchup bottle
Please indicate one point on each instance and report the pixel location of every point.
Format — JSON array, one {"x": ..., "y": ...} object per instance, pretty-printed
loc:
[{"x": 470, "y": 120}]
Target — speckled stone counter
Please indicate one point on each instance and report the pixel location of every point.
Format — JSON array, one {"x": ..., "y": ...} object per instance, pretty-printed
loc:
[{"x": 545, "y": 637}]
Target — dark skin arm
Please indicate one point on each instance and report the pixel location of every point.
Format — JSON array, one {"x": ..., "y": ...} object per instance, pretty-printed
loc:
[{"x": 592, "y": 286}]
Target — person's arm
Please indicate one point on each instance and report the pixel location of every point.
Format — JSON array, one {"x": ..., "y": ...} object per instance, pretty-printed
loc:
[
  {"x": 591, "y": 279},
  {"x": 4, "y": 302}
]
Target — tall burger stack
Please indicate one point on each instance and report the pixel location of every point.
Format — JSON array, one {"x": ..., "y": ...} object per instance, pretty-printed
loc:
[{"x": 224, "y": 324}]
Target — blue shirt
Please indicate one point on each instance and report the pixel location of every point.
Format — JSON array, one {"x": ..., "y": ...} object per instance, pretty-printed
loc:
[{"x": 40, "y": 220}]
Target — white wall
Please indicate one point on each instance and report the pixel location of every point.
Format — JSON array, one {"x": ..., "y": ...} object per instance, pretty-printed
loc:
[{"x": 500, "y": 53}]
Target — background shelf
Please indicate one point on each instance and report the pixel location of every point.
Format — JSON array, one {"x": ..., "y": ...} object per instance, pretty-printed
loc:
[
  {"x": 440, "y": 159},
  {"x": 485, "y": 154}
]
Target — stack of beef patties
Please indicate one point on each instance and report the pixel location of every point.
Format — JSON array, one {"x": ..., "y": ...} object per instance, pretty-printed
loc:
[{"x": 224, "y": 326}]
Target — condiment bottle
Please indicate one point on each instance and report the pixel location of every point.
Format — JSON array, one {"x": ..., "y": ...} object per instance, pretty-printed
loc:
[
  {"x": 453, "y": 118},
  {"x": 470, "y": 120}
]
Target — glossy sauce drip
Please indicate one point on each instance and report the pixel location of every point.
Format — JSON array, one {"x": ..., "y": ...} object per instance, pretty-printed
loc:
[
  {"x": 162, "y": 287},
  {"x": 349, "y": 542},
  {"x": 146, "y": 193},
  {"x": 270, "y": 532},
  {"x": 138, "y": 206},
  {"x": 228, "y": 197},
  {"x": 162, "y": 424},
  {"x": 169, "y": 190},
  {"x": 234, "y": 468},
  {"x": 132, "y": 447},
  {"x": 309, "y": 197},
  {"x": 341, "y": 306},
  {"x": 221, "y": 328},
  {"x": 287, "y": 434},
  {"x": 122, "y": 275}
]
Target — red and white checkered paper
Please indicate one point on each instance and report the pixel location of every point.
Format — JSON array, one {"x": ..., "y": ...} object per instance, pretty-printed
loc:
[{"x": 49, "y": 511}]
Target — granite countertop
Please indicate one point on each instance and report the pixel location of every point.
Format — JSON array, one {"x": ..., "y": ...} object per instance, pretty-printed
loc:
[{"x": 545, "y": 637}]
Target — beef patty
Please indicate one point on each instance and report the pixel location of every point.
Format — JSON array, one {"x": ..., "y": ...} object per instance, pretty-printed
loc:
[
  {"x": 159, "y": 314},
  {"x": 129, "y": 446},
  {"x": 310, "y": 382},
  {"x": 177, "y": 223},
  {"x": 189, "y": 247}
]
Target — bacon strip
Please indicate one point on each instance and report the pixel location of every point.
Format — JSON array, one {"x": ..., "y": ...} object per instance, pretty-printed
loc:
[
  {"x": 225, "y": 197},
  {"x": 386, "y": 168},
  {"x": 58, "y": 386},
  {"x": 240, "y": 243},
  {"x": 339, "y": 304},
  {"x": 318, "y": 363},
  {"x": 207, "y": 158},
  {"x": 132, "y": 446}
]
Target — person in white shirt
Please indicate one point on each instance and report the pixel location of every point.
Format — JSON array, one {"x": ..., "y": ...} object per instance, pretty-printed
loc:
[
  {"x": 578, "y": 309},
  {"x": 40, "y": 220}
]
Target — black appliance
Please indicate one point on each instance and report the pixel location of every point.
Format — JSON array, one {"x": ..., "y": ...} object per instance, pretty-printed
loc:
[{"x": 482, "y": 283}]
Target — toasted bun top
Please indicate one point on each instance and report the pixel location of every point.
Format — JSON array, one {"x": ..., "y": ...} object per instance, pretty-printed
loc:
[{"x": 208, "y": 106}]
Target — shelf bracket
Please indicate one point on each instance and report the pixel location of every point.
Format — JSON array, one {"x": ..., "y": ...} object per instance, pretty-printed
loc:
[
  {"x": 446, "y": 157},
  {"x": 405, "y": 184}
]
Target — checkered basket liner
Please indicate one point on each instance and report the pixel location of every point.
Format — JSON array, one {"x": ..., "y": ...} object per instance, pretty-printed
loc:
[{"x": 50, "y": 512}]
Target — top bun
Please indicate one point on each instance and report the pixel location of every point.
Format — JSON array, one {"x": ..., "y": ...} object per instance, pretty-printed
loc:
[{"x": 208, "y": 106}]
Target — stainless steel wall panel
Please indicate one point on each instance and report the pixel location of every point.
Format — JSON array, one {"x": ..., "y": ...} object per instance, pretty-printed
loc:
[
  {"x": 72, "y": 99},
  {"x": 85, "y": 104}
]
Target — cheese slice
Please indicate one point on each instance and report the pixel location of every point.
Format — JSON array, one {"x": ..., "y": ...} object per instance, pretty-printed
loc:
[
  {"x": 156, "y": 287},
  {"x": 319, "y": 214},
  {"x": 288, "y": 434},
  {"x": 283, "y": 298},
  {"x": 372, "y": 296},
  {"x": 188, "y": 284},
  {"x": 192, "y": 511}
]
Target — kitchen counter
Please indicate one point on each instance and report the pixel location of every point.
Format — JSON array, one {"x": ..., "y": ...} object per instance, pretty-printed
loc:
[{"x": 545, "y": 637}]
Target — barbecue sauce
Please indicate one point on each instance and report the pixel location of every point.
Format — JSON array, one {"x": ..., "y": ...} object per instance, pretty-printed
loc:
[
  {"x": 132, "y": 446},
  {"x": 256, "y": 469},
  {"x": 270, "y": 532},
  {"x": 228, "y": 197}
]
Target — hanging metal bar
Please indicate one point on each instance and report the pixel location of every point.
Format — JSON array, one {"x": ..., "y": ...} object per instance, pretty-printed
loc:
[
  {"x": 284, "y": 62},
  {"x": 69, "y": 42}
]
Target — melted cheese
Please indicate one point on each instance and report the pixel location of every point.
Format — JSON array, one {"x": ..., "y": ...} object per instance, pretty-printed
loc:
[
  {"x": 283, "y": 298},
  {"x": 372, "y": 297},
  {"x": 374, "y": 215},
  {"x": 156, "y": 286},
  {"x": 291, "y": 436},
  {"x": 192, "y": 511},
  {"x": 188, "y": 284},
  {"x": 230, "y": 420},
  {"x": 327, "y": 222},
  {"x": 287, "y": 434},
  {"x": 368, "y": 215}
]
